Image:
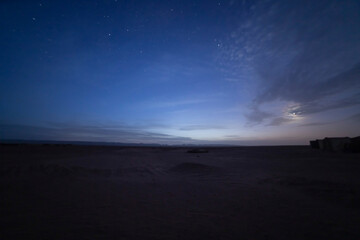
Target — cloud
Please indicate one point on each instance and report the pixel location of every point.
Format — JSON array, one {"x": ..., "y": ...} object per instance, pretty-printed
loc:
[
  {"x": 355, "y": 118},
  {"x": 279, "y": 121},
  {"x": 315, "y": 124},
  {"x": 256, "y": 116},
  {"x": 309, "y": 95},
  {"x": 178, "y": 103},
  {"x": 316, "y": 107},
  {"x": 300, "y": 52},
  {"x": 200, "y": 127},
  {"x": 88, "y": 133},
  {"x": 232, "y": 136}
]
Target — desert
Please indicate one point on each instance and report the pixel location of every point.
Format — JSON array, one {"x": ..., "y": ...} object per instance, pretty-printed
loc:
[{"x": 111, "y": 192}]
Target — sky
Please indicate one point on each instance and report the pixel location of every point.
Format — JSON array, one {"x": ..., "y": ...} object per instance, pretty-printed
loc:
[{"x": 180, "y": 72}]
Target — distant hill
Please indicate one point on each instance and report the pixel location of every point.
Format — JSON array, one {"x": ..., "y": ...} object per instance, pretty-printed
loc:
[
  {"x": 86, "y": 143},
  {"x": 15, "y": 141}
]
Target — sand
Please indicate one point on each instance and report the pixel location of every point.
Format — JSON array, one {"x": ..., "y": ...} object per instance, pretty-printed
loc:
[{"x": 80, "y": 192}]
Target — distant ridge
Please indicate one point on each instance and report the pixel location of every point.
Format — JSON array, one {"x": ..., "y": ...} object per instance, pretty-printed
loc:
[
  {"x": 88, "y": 143},
  {"x": 85, "y": 143}
]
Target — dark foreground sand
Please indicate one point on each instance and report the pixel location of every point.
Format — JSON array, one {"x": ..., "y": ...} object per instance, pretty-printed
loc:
[{"x": 78, "y": 192}]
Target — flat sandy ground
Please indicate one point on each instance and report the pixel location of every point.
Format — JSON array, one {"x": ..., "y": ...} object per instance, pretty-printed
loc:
[{"x": 79, "y": 192}]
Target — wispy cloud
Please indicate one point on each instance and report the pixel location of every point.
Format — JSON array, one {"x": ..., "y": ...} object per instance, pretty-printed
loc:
[
  {"x": 353, "y": 118},
  {"x": 169, "y": 68},
  {"x": 88, "y": 133},
  {"x": 310, "y": 61},
  {"x": 201, "y": 127},
  {"x": 309, "y": 107},
  {"x": 177, "y": 103},
  {"x": 315, "y": 124},
  {"x": 279, "y": 121},
  {"x": 310, "y": 94},
  {"x": 257, "y": 116}
]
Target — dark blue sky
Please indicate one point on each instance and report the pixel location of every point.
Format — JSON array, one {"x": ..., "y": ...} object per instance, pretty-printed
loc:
[{"x": 240, "y": 72}]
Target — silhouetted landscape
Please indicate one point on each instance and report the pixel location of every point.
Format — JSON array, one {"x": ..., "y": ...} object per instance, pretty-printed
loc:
[
  {"x": 180, "y": 120},
  {"x": 114, "y": 192}
]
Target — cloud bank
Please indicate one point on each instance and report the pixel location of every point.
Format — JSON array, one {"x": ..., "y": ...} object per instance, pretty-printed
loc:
[
  {"x": 67, "y": 132},
  {"x": 304, "y": 53}
]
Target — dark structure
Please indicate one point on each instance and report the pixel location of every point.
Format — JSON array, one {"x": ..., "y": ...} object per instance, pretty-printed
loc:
[
  {"x": 314, "y": 144},
  {"x": 354, "y": 145},
  {"x": 337, "y": 144}
]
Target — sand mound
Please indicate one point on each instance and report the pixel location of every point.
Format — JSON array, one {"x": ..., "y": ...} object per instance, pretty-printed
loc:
[
  {"x": 191, "y": 167},
  {"x": 197, "y": 151},
  {"x": 136, "y": 171}
]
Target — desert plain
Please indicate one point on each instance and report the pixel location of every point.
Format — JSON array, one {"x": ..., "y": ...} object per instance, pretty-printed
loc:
[{"x": 111, "y": 192}]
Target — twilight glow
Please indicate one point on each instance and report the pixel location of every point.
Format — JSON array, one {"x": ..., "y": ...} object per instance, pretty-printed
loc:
[{"x": 174, "y": 72}]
